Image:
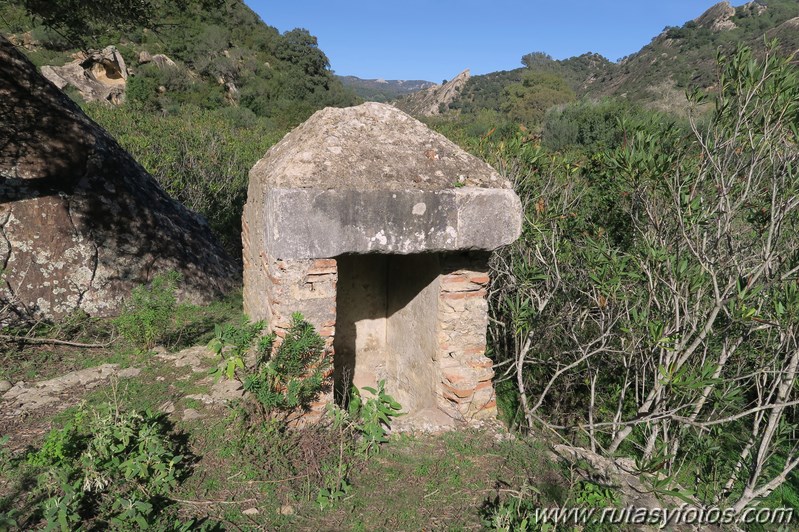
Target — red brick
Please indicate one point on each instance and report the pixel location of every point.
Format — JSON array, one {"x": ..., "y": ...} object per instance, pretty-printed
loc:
[
  {"x": 483, "y": 385},
  {"x": 324, "y": 263},
  {"x": 453, "y": 377},
  {"x": 461, "y": 394},
  {"x": 463, "y": 295},
  {"x": 323, "y": 267},
  {"x": 479, "y": 278},
  {"x": 489, "y": 405},
  {"x": 485, "y": 363}
]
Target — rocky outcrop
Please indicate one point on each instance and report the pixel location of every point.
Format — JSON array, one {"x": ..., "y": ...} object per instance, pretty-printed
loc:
[
  {"x": 97, "y": 75},
  {"x": 436, "y": 99},
  {"x": 752, "y": 9},
  {"x": 159, "y": 60},
  {"x": 718, "y": 17},
  {"x": 81, "y": 222}
]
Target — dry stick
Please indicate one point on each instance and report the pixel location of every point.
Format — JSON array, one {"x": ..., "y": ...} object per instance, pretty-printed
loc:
[
  {"x": 214, "y": 502},
  {"x": 270, "y": 481},
  {"x": 52, "y": 341}
]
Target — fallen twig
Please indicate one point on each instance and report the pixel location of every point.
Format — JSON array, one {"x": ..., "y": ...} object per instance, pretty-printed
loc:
[
  {"x": 52, "y": 341},
  {"x": 214, "y": 502}
]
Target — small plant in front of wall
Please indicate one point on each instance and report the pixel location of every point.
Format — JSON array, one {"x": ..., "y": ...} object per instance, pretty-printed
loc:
[
  {"x": 285, "y": 379},
  {"x": 290, "y": 377},
  {"x": 371, "y": 417},
  {"x": 230, "y": 344},
  {"x": 362, "y": 426}
]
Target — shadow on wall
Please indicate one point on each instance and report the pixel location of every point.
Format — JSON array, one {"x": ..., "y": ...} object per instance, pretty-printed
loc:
[
  {"x": 386, "y": 326},
  {"x": 67, "y": 185}
]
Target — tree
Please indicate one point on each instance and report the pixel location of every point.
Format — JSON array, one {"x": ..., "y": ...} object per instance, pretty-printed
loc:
[
  {"x": 537, "y": 59},
  {"x": 81, "y": 21},
  {"x": 528, "y": 101}
]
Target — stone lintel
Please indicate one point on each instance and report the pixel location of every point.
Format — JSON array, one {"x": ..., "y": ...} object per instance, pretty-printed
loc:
[{"x": 305, "y": 223}]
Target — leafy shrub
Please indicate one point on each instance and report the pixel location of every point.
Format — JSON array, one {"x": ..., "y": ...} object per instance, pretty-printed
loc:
[
  {"x": 652, "y": 297},
  {"x": 292, "y": 376},
  {"x": 285, "y": 379},
  {"x": 110, "y": 466},
  {"x": 370, "y": 417},
  {"x": 148, "y": 314},
  {"x": 231, "y": 343}
]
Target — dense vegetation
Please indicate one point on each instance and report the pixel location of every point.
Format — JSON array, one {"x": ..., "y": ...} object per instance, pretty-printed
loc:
[
  {"x": 650, "y": 308},
  {"x": 378, "y": 90},
  {"x": 656, "y": 77}
]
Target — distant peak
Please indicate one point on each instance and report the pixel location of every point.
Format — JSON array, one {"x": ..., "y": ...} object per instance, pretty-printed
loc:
[{"x": 718, "y": 17}]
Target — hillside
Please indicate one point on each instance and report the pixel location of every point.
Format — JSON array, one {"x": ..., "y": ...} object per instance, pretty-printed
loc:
[
  {"x": 222, "y": 55},
  {"x": 382, "y": 90},
  {"x": 203, "y": 87},
  {"x": 685, "y": 57},
  {"x": 655, "y": 77}
]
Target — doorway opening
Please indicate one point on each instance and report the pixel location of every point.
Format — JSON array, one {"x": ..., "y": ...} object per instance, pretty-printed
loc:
[{"x": 386, "y": 327}]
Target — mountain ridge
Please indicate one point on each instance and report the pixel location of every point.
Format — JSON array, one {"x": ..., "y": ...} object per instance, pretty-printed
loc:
[
  {"x": 383, "y": 90},
  {"x": 657, "y": 76}
]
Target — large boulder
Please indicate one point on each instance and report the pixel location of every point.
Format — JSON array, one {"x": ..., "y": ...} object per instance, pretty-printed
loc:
[
  {"x": 81, "y": 222},
  {"x": 99, "y": 75}
]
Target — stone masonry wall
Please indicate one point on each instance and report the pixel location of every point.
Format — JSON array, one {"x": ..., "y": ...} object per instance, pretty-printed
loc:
[
  {"x": 275, "y": 289},
  {"x": 466, "y": 372}
]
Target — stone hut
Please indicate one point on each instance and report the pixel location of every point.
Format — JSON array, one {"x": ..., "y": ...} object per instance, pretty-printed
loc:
[{"x": 379, "y": 230}]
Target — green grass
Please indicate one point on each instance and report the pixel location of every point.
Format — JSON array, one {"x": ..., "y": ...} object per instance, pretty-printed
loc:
[{"x": 413, "y": 483}]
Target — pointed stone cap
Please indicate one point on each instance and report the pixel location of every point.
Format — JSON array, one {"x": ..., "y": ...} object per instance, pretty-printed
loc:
[
  {"x": 373, "y": 146},
  {"x": 371, "y": 179}
]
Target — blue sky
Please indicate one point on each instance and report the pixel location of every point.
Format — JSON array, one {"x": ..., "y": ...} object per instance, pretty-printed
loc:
[{"x": 436, "y": 39}]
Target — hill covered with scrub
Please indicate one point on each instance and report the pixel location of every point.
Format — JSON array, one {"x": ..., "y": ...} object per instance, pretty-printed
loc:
[
  {"x": 231, "y": 86},
  {"x": 656, "y": 77}
]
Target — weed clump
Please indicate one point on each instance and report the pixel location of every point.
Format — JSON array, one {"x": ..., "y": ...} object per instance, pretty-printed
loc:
[
  {"x": 150, "y": 311},
  {"x": 110, "y": 467}
]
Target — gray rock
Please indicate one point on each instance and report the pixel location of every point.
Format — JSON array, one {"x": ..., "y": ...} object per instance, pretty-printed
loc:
[
  {"x": 195, "y": 357},
  {"x": 81, "y": 222},
  {"x": 162, "y": 61},
  {"x": 23, "y": 398},
  {"x": 313, "y": 223},
  {"x": 718, "y": 18},
  {"x": 430, "y": 101},
  {"x": 372, "y": 146},
  {"x": 191, "y": 414},
  {"x": 5, "y": 386}
]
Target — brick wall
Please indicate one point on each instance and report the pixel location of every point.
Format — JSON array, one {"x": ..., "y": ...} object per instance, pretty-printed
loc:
[{"x": 466, "y": 372}]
